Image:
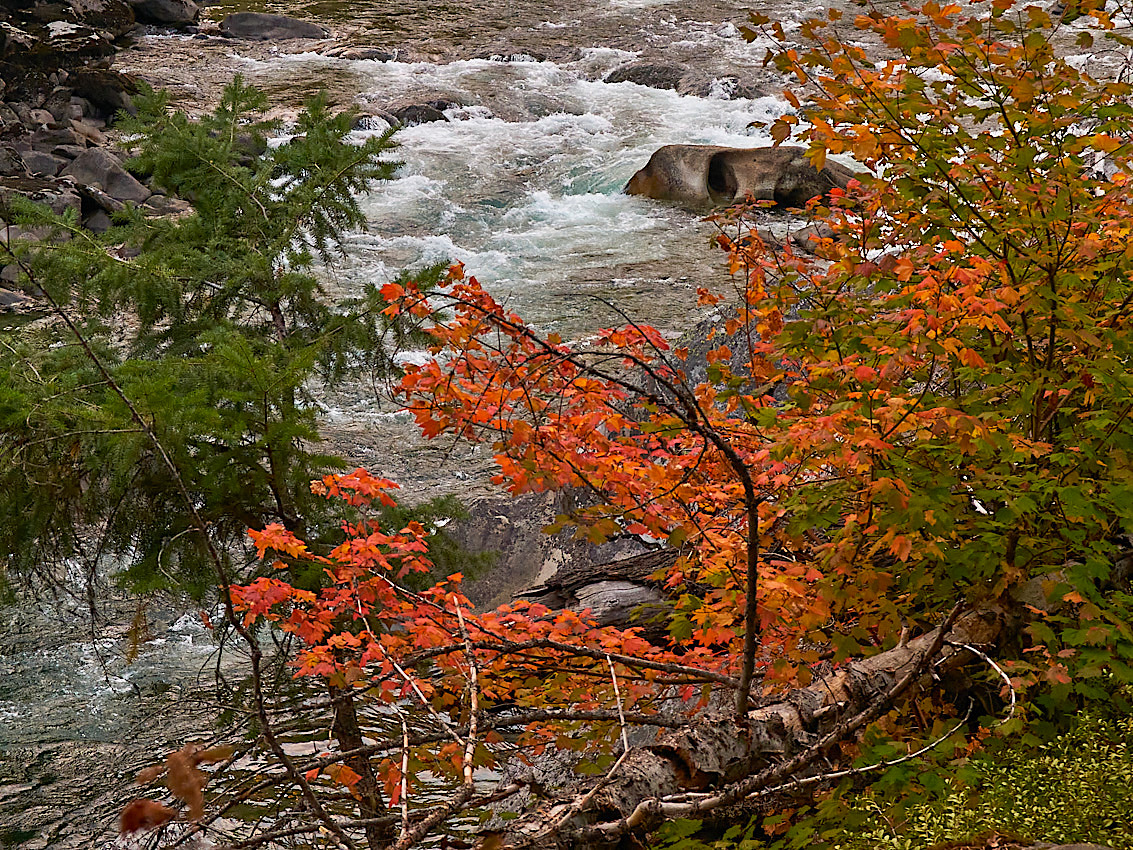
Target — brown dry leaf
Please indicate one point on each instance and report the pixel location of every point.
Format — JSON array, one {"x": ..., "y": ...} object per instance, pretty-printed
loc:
[
  {"x": 213, "y": 755},
  {"x": 144, "y": 814},
  {"x": 145, "y": 777},
  {"x": 185, "y": 781}
]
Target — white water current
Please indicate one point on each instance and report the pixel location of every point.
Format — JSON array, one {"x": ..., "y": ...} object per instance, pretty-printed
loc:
[{"x": 523, "y": 183}]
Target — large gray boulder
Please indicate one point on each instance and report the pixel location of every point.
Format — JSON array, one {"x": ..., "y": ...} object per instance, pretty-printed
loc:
[
  {"x": 702, "y": 176},
  {"x": 258, "y": 26},
  {"x": 171, "y": 12},
  {"x": 99, "y": 168}
]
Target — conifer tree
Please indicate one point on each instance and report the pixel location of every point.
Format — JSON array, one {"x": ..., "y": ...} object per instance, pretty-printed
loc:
[{"x": 213, "y": 324}]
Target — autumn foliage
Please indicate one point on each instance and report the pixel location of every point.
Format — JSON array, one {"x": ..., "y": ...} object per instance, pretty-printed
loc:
[{"x": 931, "y": 407}]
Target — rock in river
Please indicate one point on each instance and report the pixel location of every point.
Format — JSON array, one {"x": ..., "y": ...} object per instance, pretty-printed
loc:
[
  {"x": 258, "y": 26},
  {"x": 707, "y": 175}
]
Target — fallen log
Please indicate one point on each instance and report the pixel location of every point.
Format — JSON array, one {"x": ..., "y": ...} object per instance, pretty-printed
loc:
[{"x": 718, "y": 760}]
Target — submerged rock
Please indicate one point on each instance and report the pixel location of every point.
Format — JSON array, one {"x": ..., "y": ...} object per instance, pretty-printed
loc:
[
  {"x": 418, "y": 113},
  {"x": 707, "y": 175},
  {"x": 652, "y": 74},
  {"x": 258, "y": 26}
]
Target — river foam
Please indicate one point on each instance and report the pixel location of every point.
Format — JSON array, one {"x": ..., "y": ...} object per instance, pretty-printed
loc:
[{"x": 523, "y": 182}]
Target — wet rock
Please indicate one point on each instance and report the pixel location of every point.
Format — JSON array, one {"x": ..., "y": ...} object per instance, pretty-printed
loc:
[
  {"x": 375, "y": 54},
  {"x": 652, "y": 74},
  {"x": 43, "y": 164},
  {"x": 707, "y": 175},
  {"x": 376, "y": 118},
  {"x": 807, "y": 238},
  {"x": 100, "y": 168},
  {"x": 175, "y": 12},
  {"x": 732, "y": 88},
  {"x": 418, "y": 113},
  {"x": 258, "y": 26}
]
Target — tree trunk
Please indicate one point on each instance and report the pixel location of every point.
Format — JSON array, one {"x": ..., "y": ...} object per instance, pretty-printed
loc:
[{"x": 348, "y": 734}]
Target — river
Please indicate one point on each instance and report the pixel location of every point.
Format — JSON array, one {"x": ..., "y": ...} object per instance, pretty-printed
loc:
[{"x": 521, "y": 183}]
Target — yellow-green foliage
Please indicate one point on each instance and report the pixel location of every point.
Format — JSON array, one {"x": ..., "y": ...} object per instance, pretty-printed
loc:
[{"x": 1077, "y": 788}]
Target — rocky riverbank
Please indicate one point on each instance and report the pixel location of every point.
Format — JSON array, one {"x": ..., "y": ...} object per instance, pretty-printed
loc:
[{"x": 60, "y": 94}]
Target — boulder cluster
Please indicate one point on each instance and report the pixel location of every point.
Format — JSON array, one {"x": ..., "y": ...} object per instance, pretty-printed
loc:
[{"x": 58, "y": 92}]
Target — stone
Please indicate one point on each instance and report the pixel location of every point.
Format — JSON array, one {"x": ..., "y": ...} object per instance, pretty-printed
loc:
[
  {"x": 655, "y": 75},
  {"x": 176, "y": 12},
  {"x": 807, "y": 238},
  {"x": 162, "y": 205},
  {"x": 68, "y": 151},
  {"x": 23, "y": 113},
  {"x": 418, "y": 113},
  {"x": 89, "y": 132},
  {"x": 85, "y": 107},
  {"x": 373, "y": 54},
  {"x": 46, "y": 139},
  {"x": 43, "y": 164},
  {"x": 108, "y": 91},
  {"x": 258, "y": 26},
  {"x": 59, "y": 105},
  {"x": 98, "y": 167},
  {"x": 70, "y": 41},
  {"x": 98, "y": 222},
  {"x": 101, "y": 199},
  {"x": 706, "y": 175},
  {"x": 14, "y": 302},
  {"x": 58, "y": 196},
  {"x": 10, "y": 162},
  {"x": 42, "y": 117},
  {"x": 114, "y": 18}
]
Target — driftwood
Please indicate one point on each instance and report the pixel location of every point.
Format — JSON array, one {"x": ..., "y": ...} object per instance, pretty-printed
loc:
[{"x": 717, "y": 760}]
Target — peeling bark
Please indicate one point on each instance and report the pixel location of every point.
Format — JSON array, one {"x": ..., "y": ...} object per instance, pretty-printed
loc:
[{"x": 717, "y": 760}]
